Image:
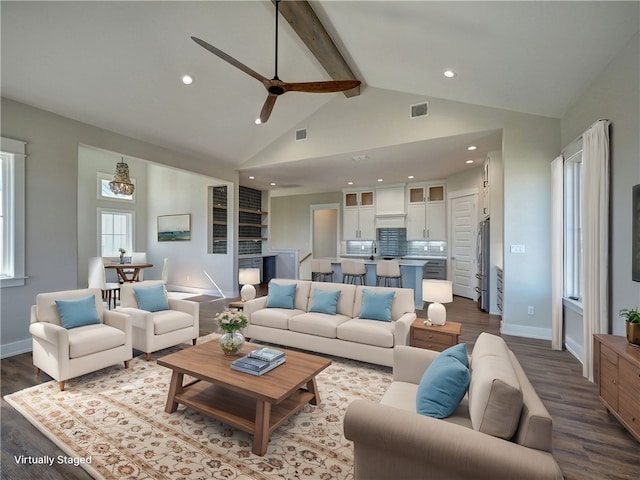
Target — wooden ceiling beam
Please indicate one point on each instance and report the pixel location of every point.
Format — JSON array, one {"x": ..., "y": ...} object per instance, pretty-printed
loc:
[{"x": 308, "y": 27}]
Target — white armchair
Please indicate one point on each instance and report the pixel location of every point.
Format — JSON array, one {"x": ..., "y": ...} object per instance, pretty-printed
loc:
[
  {"x": 153, "y": 331},
  {"x": 65, "y": 353}
]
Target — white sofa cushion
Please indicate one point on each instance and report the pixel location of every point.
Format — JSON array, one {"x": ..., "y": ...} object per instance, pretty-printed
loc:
[
  {"x": 320, "y": 324},
  {"x": 165, "y": 321},
  {"x": 90, "y": 339},
  {"x": 369, "y": 332},
  {"x": 274, "y": 317}
]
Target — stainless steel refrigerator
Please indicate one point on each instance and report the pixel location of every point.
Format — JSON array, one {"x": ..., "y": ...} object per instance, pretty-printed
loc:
[{"x": 482, "y": 257}]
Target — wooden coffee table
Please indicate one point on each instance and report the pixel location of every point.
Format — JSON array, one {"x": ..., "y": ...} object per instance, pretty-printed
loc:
[{"x": 256, "y": 405}]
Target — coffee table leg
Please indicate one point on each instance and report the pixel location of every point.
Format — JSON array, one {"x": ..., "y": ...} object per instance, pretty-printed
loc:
[
  {"x": 174, "y": 389},
  {"x": 312, "y": 387},
  {"x": 261, "y": 431}
]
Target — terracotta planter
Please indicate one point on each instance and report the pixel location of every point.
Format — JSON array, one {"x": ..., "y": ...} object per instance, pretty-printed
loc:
[{"x": 633, "y": 333}]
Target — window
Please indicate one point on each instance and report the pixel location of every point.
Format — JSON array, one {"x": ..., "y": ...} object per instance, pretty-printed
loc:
[
  {"x": 116, "y": 231},
  {"x": 573, "y": 278},
  {"x": 12, "y": 205}
]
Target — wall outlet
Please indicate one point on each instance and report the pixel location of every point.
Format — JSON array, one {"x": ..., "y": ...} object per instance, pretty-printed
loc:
[
  {"x": 425, "y": 248},
  {"x": 530, "y": 310},
  {"x": 517, "y": 248},
  {"x": 188, "y": 278}
]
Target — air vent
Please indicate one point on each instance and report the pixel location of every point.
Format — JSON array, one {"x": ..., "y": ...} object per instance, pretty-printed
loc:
[
  {"x": 301, "y": 134},
  {"x": 420, "y": 110}
]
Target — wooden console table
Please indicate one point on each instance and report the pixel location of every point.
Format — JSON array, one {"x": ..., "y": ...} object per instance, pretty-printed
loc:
[
  {"x": 616, "y": 366},
  {"x": 433, "y": 337}
]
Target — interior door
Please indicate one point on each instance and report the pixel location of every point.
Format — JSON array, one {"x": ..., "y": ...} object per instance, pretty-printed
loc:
[{"x": 464, "y": 227}]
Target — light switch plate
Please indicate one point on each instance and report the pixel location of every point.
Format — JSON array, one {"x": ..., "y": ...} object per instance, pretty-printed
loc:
[{"x": 517, "y": 249}]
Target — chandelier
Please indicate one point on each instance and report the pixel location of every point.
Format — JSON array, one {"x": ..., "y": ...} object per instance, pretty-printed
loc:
[{"x": 121, "y": 184}]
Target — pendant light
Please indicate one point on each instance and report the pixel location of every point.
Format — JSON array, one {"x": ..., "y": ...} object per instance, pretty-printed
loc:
[{"x": 121, "y": 184}]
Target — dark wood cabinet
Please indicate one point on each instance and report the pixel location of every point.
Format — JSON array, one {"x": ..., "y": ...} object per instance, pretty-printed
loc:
[{"x": 432, "y": 337}]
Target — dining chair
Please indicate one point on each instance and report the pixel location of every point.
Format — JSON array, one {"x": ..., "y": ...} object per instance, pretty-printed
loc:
[
  {"x": 98, "y": 279},
  {"x": 165, "y": 270},
  {"x": 139, "y": 257}
]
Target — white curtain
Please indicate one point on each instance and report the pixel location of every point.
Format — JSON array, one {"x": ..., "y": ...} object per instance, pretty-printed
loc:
[
  {"x": 557, "y": 251},
  {"x": 595, "y": 237}
]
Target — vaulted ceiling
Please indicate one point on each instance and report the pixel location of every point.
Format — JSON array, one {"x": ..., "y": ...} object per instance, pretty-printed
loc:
[{"x": 118, "y": 65}]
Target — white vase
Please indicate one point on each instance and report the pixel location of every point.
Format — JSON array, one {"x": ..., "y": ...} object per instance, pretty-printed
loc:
[{"x": 231, "y": 342}]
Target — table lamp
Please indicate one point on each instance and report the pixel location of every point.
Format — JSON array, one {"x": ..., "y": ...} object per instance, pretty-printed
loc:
[
  {"x": 248, "y": 277},
  {"x": 437, "y": 292}
]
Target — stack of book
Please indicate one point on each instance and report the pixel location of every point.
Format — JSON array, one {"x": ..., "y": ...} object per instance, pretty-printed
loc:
[{"x": 259, "y": 361}]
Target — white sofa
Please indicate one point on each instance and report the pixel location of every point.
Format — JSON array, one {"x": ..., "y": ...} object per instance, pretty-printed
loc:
[{"x": 344, "y": 334}]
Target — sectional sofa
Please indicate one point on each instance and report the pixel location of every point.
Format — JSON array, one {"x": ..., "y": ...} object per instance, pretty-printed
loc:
[{"x": 346, "y": 333}]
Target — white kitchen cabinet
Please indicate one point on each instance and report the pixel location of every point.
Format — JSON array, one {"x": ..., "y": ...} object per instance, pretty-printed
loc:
[
  {"x": 426, "y": 213},
  {"x": 358, "y": 215}
]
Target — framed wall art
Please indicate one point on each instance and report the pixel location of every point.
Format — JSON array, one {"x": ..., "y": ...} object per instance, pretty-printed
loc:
[{"x": 174, "y": 228}]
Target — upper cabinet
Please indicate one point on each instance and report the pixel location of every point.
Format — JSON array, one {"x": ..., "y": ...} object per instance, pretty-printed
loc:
[
  {"x": 358, "y": 215},
  {"x": 426, "y": 212}
]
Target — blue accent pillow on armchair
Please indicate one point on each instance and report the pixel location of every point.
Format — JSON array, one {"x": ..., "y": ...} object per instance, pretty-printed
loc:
[
  {"x": 281, "y": 296},
  {"x": 151, "y": 299},
  {"x": 376, "y": 305},
  {"x": 325, "y": 301},
  {"x": 442, "y": 387},
  {"x": 78, "y": 312}
]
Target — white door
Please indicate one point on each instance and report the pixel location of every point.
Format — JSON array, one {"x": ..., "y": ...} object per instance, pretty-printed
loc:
[{"x": 464, "y": 226}]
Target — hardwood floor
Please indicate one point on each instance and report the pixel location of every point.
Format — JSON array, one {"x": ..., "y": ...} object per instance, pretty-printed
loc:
[{"x": 589, "y": 443}]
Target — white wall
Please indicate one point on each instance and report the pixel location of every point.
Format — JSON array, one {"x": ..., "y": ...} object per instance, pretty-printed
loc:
[
  {"x": 52, "y": 203},
  {"x": 615, "y": 95}
]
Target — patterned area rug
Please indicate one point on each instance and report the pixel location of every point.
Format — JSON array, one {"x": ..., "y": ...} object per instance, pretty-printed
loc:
[{"x": 116, "y": 419}]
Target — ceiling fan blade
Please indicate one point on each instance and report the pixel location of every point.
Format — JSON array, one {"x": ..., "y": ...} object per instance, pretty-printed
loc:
[
  {"x": 322, "y": 87},
  {"x": 230, "y": 59},
  {"x": 265, "y": 113}
]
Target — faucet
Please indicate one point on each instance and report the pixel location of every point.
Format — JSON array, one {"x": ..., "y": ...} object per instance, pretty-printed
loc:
[{"x": 373, "y": 250}]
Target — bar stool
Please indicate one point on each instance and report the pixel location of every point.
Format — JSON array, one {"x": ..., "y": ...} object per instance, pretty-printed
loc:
[
  {"x": 388, "y": 272},
  {"x": 321, "y": 270},
  {"x": 353, "y": 270}
]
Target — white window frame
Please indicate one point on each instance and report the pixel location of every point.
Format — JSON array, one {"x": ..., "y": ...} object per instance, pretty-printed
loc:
[
  {"x": 12, "y": 269},
  {"x": 130, "y": 241},
  {"x": 573, "y": 204},
  {"x": 103, "y": 178}
]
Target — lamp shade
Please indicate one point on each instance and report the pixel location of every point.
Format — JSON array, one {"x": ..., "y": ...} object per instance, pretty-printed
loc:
[
  {"x": 249, "y": 276},
  {"x": 439, "y": 291}
]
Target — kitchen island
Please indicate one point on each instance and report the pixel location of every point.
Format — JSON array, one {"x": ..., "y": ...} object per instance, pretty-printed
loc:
[{"x": 411, "y": 270}]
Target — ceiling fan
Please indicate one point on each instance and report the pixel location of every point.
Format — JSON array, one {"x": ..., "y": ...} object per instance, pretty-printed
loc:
[{"x": 275, "y": 86}]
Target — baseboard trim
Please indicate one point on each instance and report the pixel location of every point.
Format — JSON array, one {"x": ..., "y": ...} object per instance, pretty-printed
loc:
[
  {"x": 525, "y": 331},
  {"x": 574, "y": 349},
  {"x": 15, "y": 348}
]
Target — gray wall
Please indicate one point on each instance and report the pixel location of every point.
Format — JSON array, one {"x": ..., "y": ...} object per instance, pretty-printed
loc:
[
  {"x": 51, "y": 203},
  {"x": 615, "y": 95}
]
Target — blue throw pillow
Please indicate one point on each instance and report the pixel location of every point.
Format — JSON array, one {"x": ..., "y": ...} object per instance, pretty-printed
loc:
[
  {"x": 376, "y": 305},
  {"x": 151, "y": 299},
  {"x": 325, "y": 301},
  {"x": 459, "y": 352},
  {"x": 442, "y": 387},
  {"x": 281, "y": 296},
  {"x": 78, "y": 312}
]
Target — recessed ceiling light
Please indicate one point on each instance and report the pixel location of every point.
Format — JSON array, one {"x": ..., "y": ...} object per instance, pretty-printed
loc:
[
  {"x": 449, "y": 73},
  {"x": 471, "y": 147},
  {"x": 349, "y": 183},
  {"x": 410, "y": 176},
  {"x": 469, "y": 161},
  {"x": 187, "y": 79},
  {"x": 273, "y": 184},
  {"x": 380, "y": 180},
  {"x": 251, "y": 177},
  {"x": 258, "y": 121}
]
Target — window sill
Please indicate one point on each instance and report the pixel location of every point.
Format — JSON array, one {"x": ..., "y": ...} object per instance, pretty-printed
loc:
[
  {"x": 12, "y": 282},
  {"x": 573, "y": 305}
]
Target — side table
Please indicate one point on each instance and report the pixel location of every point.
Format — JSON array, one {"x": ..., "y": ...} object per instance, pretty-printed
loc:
[
  {"x": 238, "y": 304},
  {"x": 434, "y": 337}
]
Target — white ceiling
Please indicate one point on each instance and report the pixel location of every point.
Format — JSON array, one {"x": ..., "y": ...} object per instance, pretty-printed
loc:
[{"x": 117, "y": 65}]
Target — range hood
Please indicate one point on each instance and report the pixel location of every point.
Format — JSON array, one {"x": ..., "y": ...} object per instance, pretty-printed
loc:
[{"x": 391, "y": 220}]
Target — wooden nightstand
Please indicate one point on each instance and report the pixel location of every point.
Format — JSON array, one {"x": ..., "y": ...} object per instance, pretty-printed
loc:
[{"x": 433, "y": 337}]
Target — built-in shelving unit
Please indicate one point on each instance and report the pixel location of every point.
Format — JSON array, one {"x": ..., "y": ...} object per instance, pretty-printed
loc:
[
  {"x": 219, "y": 240},
  {"x": 252, "y": 221}
]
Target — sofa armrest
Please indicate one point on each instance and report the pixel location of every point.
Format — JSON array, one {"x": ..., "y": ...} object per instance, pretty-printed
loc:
[
  {"x": 253, "y": 306},
  {"x": 119, "y": 320},
  {"x": 410, "y": 363},
  {"x": 402, "y": 328},
  {"x": 395, "y": 443},
  {"x": 54, "y": 335},
  {"x": 186, "y": 306}
]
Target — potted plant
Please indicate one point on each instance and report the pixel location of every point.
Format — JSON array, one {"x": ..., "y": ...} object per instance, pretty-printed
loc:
[
  {"x": 122, "y": 253},
  {"x": 632, "y": 317},
  {"x": 231, "y": 322}
]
